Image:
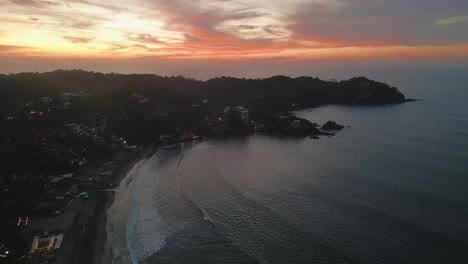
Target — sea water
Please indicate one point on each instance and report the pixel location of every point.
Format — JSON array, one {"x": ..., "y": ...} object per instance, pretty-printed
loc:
[{"x": 390, "y": 188}]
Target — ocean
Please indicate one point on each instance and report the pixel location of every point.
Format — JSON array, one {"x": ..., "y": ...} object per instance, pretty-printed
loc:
[{"x": 390, "y": 188}]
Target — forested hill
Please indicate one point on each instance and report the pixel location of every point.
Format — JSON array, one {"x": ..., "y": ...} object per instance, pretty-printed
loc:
[
  {"x": 52, "y": 121},
  {"x": 278, "y": 92}
]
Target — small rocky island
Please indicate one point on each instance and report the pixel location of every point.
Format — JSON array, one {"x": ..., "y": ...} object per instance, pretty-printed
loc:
[{"x": 332, "y": 125}]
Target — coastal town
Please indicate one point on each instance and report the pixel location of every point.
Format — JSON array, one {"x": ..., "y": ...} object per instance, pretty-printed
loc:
[
  {"x": 64, "y": 152},
  {"x": 50, "y": 212}
]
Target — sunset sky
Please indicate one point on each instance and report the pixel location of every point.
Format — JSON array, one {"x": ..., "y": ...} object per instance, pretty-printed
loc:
[{"x": 98, "y": 34}]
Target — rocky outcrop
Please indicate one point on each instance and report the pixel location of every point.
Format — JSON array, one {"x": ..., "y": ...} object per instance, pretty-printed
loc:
[
  {"x": 331, "y": 125},
  {"x": 288, "y": 124}
]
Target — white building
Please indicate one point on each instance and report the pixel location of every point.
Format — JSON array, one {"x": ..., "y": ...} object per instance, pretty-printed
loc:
[
  {"x": 47, "y": 100},
  {"x": 242, "y": 113},
  {"x": 227, "y": 109},
  {"x": 46, "y": 243}
]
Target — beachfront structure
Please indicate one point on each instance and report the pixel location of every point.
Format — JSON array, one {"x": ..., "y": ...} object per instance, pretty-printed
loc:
[{"x": 45, "y": 243}]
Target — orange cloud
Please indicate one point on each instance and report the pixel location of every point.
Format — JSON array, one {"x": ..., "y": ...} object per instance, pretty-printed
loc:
[{"x": 214, "y": 30}]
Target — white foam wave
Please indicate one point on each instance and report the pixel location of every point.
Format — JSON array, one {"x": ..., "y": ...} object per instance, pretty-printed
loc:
[
  {"x": 117, "y": 217},
  {"x": 145, "y": 232}
]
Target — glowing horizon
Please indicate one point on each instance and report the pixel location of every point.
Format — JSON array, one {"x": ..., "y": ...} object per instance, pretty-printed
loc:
[{"x": 295, "y": 30}]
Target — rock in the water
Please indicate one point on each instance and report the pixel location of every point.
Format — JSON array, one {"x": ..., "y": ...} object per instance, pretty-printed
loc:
[{"x": 331, "y": 125}]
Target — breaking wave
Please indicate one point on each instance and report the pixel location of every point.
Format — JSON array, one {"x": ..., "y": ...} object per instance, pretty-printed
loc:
[{"x": 146, "y": 232}]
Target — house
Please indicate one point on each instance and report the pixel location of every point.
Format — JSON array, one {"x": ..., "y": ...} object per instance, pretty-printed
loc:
[
  {"x": 241, "y": 113},
  {"x": 58, "y": 180},
  {"x": 68, "y": 176},
  {"x": 71, "y": 96},
  {"x": 47, "y": 100},
  {"x": 296, "y": 124},
  {"x": 55, "y": 180},
  {"x": 46, "y": 243},
  {"x": 99, "y": 122},
  {"x": 68, "y": 99},
  {"x": 4, "y": 251},
  {"x": 74, "y": 127},
  {"x": 140, "y": 98}
]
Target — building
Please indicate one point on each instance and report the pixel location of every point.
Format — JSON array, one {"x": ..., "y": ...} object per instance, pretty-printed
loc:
[
  {"x": 241, "y": 113},
  {"x": 46, "y": 243},
  {"x": 4, "y": 252},
  {"x": 140, "y": 98},
  {"x": 71, "y": 96},
  {"x": 69, "y": 99},
  {"x": 47, "y": 100},
  {"x": 100, "y": 122}
]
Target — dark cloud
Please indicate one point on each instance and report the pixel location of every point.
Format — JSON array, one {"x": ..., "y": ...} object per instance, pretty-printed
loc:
[
  {"x": 144, "y": 38},
  {"x": 248, "y": 14},
  {"x": 78, "y": 39},
  {"x": 274, "y": 30},
  {"x": 246, "y": 27},
  {"x": 382, "y": 22},
  {"x": 238, "y": 28},
  {"x": 183, "y": 12},
  {"x": 109, "y": 7},
  {"x": 82, "y": 24},
  {"x": 35, "y": 3},
  {"x": 12, "y": 50},
  {"x": 193, "y": 38},
  {"x": 11, "y": 47}
]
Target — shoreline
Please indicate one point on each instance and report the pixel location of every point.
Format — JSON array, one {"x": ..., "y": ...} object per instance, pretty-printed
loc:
[{"x": 99, "y": 249}]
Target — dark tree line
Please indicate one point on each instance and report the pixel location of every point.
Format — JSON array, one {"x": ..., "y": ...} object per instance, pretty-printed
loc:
[{"x": 175, "y": 105}]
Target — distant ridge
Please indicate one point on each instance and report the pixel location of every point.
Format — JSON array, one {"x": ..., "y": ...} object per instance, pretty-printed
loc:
[{"x": 277, "y": 91}]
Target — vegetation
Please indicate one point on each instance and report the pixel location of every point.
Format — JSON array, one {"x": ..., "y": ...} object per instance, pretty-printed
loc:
[
  {"x": 142, "y": 108},
  {"x": 53, "y": 123}
]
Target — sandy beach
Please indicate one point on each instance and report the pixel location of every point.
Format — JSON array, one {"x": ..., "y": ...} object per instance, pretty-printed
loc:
[
  {"x": 100, "y": 249},
  {"x": 118, "y": 210},
  {"x": 83, "y": 222}
]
